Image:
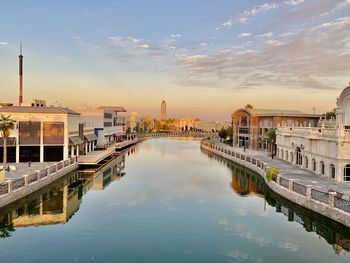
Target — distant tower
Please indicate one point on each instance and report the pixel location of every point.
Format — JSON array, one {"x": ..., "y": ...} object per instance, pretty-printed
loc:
[
  {"x": 163, "y": 110},
  {"x": 20, "y": 99}
]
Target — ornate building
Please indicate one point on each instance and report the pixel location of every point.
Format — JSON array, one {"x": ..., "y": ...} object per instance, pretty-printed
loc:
[
  {"x": 325, "y": 149},
  {"x": 163, "y": 110},
  {"x": 250, "y": 125}
]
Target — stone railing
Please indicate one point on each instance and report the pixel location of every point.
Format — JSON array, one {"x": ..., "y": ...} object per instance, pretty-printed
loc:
[
  {"x": 330, "y": 199},
  {"x": 320, "y": 196},
  {"x": 11, "y": 186},
  {"x": 172, "y": 134}
]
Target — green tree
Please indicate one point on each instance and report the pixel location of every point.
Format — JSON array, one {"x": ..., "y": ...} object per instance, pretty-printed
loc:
[
  {"x": 223, "y": 133},
  {"x": 6, "y": 126},
  {"x": 270, "y": 137},
  {"x": 331, "y": 114}
]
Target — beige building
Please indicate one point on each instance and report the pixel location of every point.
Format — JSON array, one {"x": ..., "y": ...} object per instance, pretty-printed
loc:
[
  {"x": 250, "y": 125},
  {"x": 107, "y": 122},
  {"x": 325, "y": 149},
  {"x": 46, "y": 134}
]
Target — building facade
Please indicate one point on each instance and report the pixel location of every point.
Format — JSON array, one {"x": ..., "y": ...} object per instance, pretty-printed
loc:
[
  {"x": 108, "y": 123},
  {"x": 251, "y": 125},
  {"x": 46, "y": 134},
  {"x": 325, "y": 149}
]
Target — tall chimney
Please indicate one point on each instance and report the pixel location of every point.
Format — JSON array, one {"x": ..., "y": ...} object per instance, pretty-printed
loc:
[{"x": 20, "y": 99}]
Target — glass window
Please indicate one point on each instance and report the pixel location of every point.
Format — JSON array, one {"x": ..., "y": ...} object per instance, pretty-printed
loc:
[
  {"x": 29, "y": 132},
  {"x": 322, "y": 167},
  {"x": 53, "y": 132},
  {"x": 347, "y": 173}
]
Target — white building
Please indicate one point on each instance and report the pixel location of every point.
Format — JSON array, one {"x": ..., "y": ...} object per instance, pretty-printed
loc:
[
  {"x": 108, "y": 123},
  {"x": 46, "y": 134},
  {"x": 325, "y": 149}
]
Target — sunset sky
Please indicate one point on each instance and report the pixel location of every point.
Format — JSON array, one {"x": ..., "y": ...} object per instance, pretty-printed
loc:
[{"x": 204, "y": 57}]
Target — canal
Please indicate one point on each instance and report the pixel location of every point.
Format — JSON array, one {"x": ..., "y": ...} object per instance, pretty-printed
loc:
[{"x": 166, "y": 200}]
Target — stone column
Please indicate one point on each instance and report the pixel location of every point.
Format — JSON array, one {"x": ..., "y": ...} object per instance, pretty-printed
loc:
[
  {"x": 331, "y": 201},
  {"x": 291, "y": 182},
  {"x": 41, "y": 141}
]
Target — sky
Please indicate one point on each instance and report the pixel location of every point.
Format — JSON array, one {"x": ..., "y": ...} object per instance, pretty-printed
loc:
[{"x": 206, "y": 58}]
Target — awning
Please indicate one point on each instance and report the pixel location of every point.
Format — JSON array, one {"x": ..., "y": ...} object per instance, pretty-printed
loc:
[
  {"x": 90, "y": 137},
  {"x": 11, "y": 141},
  {"x": 75, "y": 140},
  {"x": 119, "y": 133}
]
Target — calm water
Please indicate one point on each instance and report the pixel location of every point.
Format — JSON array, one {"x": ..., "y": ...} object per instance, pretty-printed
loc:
[{"x": 171, "y": 203}]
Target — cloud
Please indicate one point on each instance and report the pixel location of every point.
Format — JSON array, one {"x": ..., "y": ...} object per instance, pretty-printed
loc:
[
  {"x": 245, "y": 34},
  {"x": 245, "y": 16},
  {"x": 203, "y": 45},
  {"x": 128, "y": 42},
  {"x": 313, "y": 58},
  {"x": 4, "y": 43},
  {"x": 294, "y": 2},
  {"x": 227, "y": 24},
  {"x": 267, "y": 35}
]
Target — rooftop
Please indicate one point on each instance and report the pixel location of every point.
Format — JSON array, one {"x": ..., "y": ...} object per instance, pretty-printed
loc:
[
  {"x": 278, "y": 112},
  {"x": 29, "y": 109},
  {"x": 113, "y": 108}
]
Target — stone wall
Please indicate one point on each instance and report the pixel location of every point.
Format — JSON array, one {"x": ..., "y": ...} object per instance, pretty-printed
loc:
[{"x": 327, "y": 204}]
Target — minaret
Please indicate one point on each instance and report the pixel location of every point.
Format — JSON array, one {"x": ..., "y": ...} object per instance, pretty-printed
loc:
[
  {"x": 163, "y": 111},
  {"x": 20, "y": 99}
]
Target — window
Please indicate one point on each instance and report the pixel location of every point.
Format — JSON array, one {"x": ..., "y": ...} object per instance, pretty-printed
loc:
[
  {"x": 306, "y": 162},
  {"x": 53, "y": 132},
  {"x": 299, "y": 157},
  {"x": 287, "y": 156},
  {"x": 322, "y": 167},
  {"x": 107, "y": 124},
  {"x": 107, "y": 115},
  {"x": 332, "y": 170},
  {"x": 313, "y": 165},
  {"x": 347, "y": 173},
  {"x": 29, "y": 132},
  {"x": 291, "y": 157}
]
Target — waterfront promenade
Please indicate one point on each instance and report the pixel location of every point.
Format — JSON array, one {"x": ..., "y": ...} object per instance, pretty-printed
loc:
[
  {"x": 313, "y": 192},
  {"x": 293, "y": 171}
]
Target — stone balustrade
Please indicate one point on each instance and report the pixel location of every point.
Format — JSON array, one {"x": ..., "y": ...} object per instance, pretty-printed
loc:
[
  {"x": 11, "y": 186},
  {"x": 331, "y": 200}
]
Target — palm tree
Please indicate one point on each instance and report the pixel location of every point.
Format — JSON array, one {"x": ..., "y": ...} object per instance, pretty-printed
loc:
[
  {"x": 270, "y": 137},
  {"x": 249, "y": 106},
  {"x": 6, "y": 126}
]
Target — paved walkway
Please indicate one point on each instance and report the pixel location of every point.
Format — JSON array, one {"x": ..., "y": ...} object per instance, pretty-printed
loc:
[
  {"x": 23, "y": 168},
  {"x": 293, "y": 171}
]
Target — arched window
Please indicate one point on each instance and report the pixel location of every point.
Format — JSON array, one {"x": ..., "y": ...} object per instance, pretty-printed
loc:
[
  {"x": 347, "y": 173},
  {"x": 299, "y": 157},
  {"x": 332, "y": 171},
  {"x": 314, "y": 165},
  {"x": 287, "y": 156},
  {"x": 291, "y": 156},
  {"x": 306, "y": 162},
  {"x": 322, "y": 167},
  {"x": 282, "y": 154}
]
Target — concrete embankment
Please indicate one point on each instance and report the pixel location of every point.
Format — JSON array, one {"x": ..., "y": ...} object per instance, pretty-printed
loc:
[
  {"x": 13, "y": 190},
  {"x": 327, "y": 204}
]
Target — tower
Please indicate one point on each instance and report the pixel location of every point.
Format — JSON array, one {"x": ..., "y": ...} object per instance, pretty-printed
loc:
[
  {"x": 163, "y": 110},
  {"x": 20, "y": 99}
]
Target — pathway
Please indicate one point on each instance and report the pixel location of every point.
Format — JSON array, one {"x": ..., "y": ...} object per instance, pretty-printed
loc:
[{"x": 293, "y": 171}]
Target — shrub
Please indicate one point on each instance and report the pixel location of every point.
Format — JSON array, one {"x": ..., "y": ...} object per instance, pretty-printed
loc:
[{"x": 272, "y": 173}]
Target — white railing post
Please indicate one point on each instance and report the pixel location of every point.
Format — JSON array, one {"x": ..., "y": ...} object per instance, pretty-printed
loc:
[
  {"x": 308, "y": 191},
  {"x": 9, "y": 186},
  {"x": 25, "y": 180},
  {"x": 331, "y": 200},
  {"x": 290, "y": 186}
]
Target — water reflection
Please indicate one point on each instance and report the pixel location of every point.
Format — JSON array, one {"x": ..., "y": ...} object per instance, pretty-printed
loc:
[
  {"x": 246, "y": 183},
  {"x": 58, "y": 202}
]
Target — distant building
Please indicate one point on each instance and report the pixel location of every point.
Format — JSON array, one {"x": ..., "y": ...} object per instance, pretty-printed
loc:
[
  {"x": 134, "y": 121},
  {"x": 163, "y": 110},
  {"x": 325, "y": 149},
  {"x": 46, "y": 134},
  {"x": 107, "y": 122},
  {"x": 250, "y": 125}
]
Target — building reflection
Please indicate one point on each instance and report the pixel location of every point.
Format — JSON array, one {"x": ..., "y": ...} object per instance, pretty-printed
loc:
[
  {"x": 245, "y": 183},
  {"x": 58, "y": 202}
]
